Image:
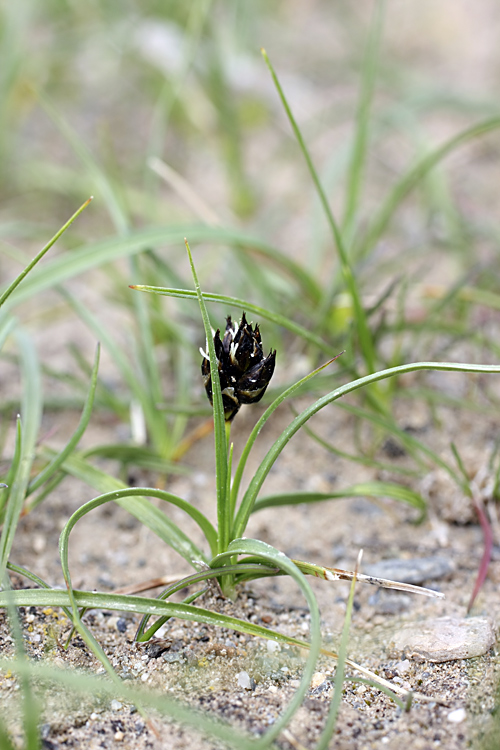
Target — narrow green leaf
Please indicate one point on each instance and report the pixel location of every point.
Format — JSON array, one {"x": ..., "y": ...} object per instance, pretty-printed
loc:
[
  {"x": 365, "y": 338},
  {"x": 223, "y": 500},
  {"x": 69, "y": 265},
  {"x": 271, "y": 555},
  {"x": 56, "y": 462},
  {"x": 40, "y": 255},
  {"x": 31, "y": 414},
  {"x": 245, "y": 510},
  {"x": 137, "y": 506},
  {"x": 275, "y": 450},
  {"x": 259, "y": 312},
  {"x": 83, "y": 683},
  {"x": 363, "y": 489}
]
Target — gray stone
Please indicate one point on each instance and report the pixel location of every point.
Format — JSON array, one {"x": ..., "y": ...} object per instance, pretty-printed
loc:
[
  {"x": 443, "y": 639},
  {"x": 416, "y": 570}
]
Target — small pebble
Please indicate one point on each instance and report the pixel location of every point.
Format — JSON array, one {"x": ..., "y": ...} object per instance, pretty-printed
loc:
[
  {"x": 244, "y": 680},
  {"x": 317, "y": 679},
  {"x": 402, "y": 666},
  {"x": 121, "y": 625},
  {"x": 444, "y": 639},
  {"x": 116, "y": 705},
  {"x": 272, "y": 647},
  {"x": 457, "y": 716},
  {"x": 119, "y": 736}
]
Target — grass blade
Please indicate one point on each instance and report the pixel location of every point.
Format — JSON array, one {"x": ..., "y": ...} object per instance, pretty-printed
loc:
[
  {"x": 145, "y": 512},
  {"x": 56, "y": 462},
  {"x": 260, "y": 312},
  {"x": 223, "y": 501},
  {"x": 31, "y": 413},
  {"x": 365, "y": 339},
  {"x": 40, "y": 255},
  {"x": 275, "y": 450},
  {"x": 363, "y": 489},
  {"x": 412, "y": 178}
]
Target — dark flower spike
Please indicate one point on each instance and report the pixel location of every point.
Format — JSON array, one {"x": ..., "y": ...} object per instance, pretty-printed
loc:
[{"x": 244, "y": 372}]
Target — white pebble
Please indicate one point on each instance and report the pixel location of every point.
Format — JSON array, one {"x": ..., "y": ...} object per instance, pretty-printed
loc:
[
  {"x": 402, "y": 666},
  {"x": 144, "y": 677},
  {"x": 116, "y": 705},
  {"x": 272, "y": 647},
  {"x": 457, "y": 716},
  {"x": 244, "y": 680}
]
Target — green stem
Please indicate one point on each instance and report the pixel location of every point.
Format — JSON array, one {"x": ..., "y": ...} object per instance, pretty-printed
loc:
[{"x": 365, "y": 338}]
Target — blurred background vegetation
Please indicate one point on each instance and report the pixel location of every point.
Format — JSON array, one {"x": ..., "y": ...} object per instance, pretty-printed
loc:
[{"x": 166, "y": 113}]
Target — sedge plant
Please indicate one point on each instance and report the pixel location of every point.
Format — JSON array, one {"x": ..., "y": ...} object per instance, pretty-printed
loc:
[{"x": 228, "y": 556}]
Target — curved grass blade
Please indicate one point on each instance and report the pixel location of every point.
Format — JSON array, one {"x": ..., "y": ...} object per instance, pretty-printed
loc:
[
  {"x": 413, "y": 177},
  {"x": 278, "y": 559},
  {"x": 258, "y": 427},
  {"x": 138, "y": 506},
  {"x": 331, "y": 720},
  {"x": 14, "y": 468},
  {"x": 250, "y": 570},
  {"x": 40, "y": 255},
  {"x": 363, "y": 489},
  {"x": 80, "y": 260},
  {"x": 260, "y": 312},
  {"x": 156, "y": 607},
  {"x": 360, "y": 146},
  {"x": 275, "y": 450},
  {"x": 178, "y": 540}
]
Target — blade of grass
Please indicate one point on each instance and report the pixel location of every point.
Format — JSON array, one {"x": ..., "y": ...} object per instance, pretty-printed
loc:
[
  {"x": 358, "y": 156},
  {"x": 68, "y": 265},
  {"x": 56, "y": 462},
  {"x": 92, "y": 685},
  {"x": 365, "y": 339},
  {"x": 183, "y": 543},
  {"x": 145, "y": 512},
  {"x": 274, "y": 557},
  {"x": 411, "y": 179},
  {"x": 331, "y": 720},
  {"x": 275, "y": 450},
  {"x": 363, "y": 489},
  {"x": 221, "y": 469},
  {"x": 31, "y": 414},
  {"x": 40, "y": 255},
  {"x": 260, "y": 424},
  {"x": 260, "y": 312}
]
